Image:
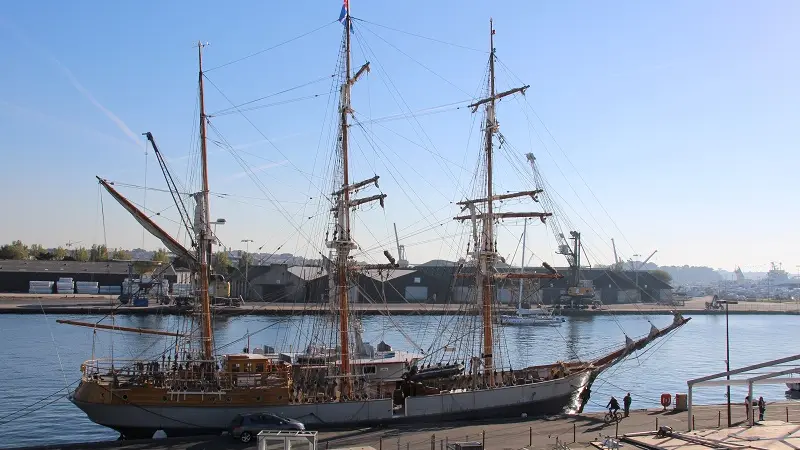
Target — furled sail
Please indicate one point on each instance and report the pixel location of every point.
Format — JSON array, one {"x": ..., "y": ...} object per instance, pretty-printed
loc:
[{"x": 171, "y": 244}]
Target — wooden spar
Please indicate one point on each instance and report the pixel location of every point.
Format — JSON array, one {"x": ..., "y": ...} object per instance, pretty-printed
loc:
[
  {"x": 148, "y": 224},
  {"x": 532, "y": 194},
  {"x": 119, "y": 328},
  {"x": 517, "y": 276},
  {"x": 506, "y": 215},
  {"x": 204, "y": 247}
]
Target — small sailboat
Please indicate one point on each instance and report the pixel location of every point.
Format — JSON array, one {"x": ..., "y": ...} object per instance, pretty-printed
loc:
[{"x": 524, "y": 316}]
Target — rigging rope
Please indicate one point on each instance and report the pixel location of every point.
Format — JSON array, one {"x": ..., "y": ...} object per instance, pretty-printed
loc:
[{"x": 273, "y": 47}]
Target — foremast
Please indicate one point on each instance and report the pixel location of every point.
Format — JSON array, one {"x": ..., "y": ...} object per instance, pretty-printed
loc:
[
  {"x": 203, "y": 228},
  {"x": 342, "y": 243},
  {"x": 485, "y": 245}
]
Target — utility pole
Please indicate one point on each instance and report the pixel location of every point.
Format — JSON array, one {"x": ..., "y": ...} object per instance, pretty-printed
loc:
[
  {"x": 246, "y": 267},
  {"x": 728, "y": 355}
]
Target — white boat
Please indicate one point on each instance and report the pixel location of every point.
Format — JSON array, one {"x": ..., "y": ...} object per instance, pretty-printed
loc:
[{"x": 529, "y": 317}]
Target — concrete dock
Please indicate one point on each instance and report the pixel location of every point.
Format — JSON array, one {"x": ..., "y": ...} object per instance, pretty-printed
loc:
[
  {"x": 100, "y": 304},
  {"x": 576, "y": 431}
]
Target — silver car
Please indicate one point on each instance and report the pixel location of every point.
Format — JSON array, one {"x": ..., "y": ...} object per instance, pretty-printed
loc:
[{"x": 247, "y": 426}]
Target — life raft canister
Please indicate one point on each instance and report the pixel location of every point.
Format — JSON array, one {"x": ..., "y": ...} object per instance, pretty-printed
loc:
[{"x": 666, "y": 400}]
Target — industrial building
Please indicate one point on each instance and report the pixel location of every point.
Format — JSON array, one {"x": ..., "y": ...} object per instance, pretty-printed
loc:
[{"x": 16, "y": 275}]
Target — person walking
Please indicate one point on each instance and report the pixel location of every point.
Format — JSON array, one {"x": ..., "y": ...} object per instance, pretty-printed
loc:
[
  {"x": 626, "y": 403},
  {"x": 762, "y": 408}
]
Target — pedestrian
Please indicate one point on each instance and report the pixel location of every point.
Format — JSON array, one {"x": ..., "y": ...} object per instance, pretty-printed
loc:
[
  {"x": 626, "y": 403},
  {"x": 747, "y": 405},
  {"x": 762, "y": 408}
]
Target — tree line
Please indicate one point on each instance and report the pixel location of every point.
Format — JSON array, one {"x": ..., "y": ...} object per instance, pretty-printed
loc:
[{"x": 20, "y": 251}]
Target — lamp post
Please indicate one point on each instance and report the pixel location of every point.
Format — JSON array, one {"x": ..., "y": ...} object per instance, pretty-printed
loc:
[
  {"x": 246, "y": 267},
  {"x": 728, "y": 353}
]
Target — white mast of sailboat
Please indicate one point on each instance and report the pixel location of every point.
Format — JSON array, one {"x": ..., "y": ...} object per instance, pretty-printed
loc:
[{"x": 522, "y": 268}]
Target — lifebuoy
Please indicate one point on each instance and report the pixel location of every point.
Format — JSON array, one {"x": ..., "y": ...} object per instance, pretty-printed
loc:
[{"x": 666, "y": 400}]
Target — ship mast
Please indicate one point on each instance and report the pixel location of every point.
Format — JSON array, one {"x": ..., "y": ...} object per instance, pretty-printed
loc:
[
  {"x": 486, "y": 250},
  {"x": 342, "y": 242},
  {"x": 204, "y": 228}
]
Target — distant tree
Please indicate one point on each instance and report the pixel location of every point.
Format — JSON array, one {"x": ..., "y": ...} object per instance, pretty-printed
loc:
[
  {"x": 662, "y": 275},
  {"x": 161, "y": 256},
  {"x": 245, "y": 259},
  {"x": 81, "y": 254},
  {"x": 60, "y": 253},
  {"x": 98, "y": 253},
  {"x": 15, "y": 250},
  {"x": 121, "y": 254},
  {"x": 37, "y": 251},
  {"x": 222, "y": 262}
]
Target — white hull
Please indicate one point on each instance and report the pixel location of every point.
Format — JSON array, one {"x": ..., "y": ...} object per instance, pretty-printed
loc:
[
  {"x": 547, "y": 397},
  {"x": 540, "y": 321}
]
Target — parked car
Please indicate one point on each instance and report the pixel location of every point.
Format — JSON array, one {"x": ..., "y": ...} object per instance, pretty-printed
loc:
[{"x": 246, "y": 426}]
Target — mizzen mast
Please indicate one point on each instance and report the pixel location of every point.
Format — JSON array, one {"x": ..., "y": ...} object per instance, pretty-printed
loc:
[
  {"x": 342, "y": 242},
  {"x": 485, "y": 246},
  {"x": 203, "y": 224}
]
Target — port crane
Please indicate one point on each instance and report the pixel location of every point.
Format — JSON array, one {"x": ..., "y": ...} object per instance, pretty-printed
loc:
[{"x": 579, "y": 292}]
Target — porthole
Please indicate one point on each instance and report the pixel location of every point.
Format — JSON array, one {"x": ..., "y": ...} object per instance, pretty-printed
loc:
[
  {"x": 125, "y": 397},
  {"x": 258, "y": 399}
]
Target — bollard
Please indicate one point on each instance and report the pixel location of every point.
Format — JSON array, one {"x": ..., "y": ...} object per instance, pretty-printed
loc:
[
  {"x": 433, "y": 442},
  {"x": 574, "y": 433},
  {"x": 441, "y": 444},
  {"x": 466, "y": 438},
  {"x": 787, "y": 414},
  {"x": 719, "y": 419},
  {"x": 530, "y": 436},
  {"x": 656, "y": 423},
  {"x": 693, "y": 427},
  {"x": 483, "y": 439},
  {"x": 616, "y": 433},
  {"x": 380, "y": 443},
  {"x": 398, "y": 443}
]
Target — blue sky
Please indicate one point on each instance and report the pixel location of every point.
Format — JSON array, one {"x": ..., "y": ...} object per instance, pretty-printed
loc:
[{"x": 679, "y": 117}]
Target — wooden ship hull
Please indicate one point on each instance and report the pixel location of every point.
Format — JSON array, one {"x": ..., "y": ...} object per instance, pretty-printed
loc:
[
  {"x": 534, "y": 391},
  {"x": 191, "y": 414}
]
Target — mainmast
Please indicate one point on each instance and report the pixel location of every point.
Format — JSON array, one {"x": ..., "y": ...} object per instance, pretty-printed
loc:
[
  {"x": 342, "y": 242},
  {"x": 486, "y": 250},
  {"x": 204, "y": 227}
]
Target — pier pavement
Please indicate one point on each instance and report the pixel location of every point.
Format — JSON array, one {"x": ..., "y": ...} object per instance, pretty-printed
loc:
[
  {"x": 100, "y": 304},
  {"x": 576, "y": 431}
]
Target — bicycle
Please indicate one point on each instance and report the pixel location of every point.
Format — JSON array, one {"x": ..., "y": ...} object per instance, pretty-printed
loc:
[{"x": 612, "y": 417}]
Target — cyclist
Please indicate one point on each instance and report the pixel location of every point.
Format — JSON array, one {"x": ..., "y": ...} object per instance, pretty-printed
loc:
[{"x": 613, "y": 406}]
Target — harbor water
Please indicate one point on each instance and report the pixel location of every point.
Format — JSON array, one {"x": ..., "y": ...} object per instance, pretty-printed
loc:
[{"x": 42, "y": 358}]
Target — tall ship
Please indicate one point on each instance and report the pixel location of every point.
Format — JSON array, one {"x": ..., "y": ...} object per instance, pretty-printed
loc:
[{"x": 337, "y": 379}]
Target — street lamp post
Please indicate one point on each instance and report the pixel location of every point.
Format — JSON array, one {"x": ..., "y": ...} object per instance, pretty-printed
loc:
[
  {"x": 246, "y": 267},
  {"x": 728, "y": 354}
]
